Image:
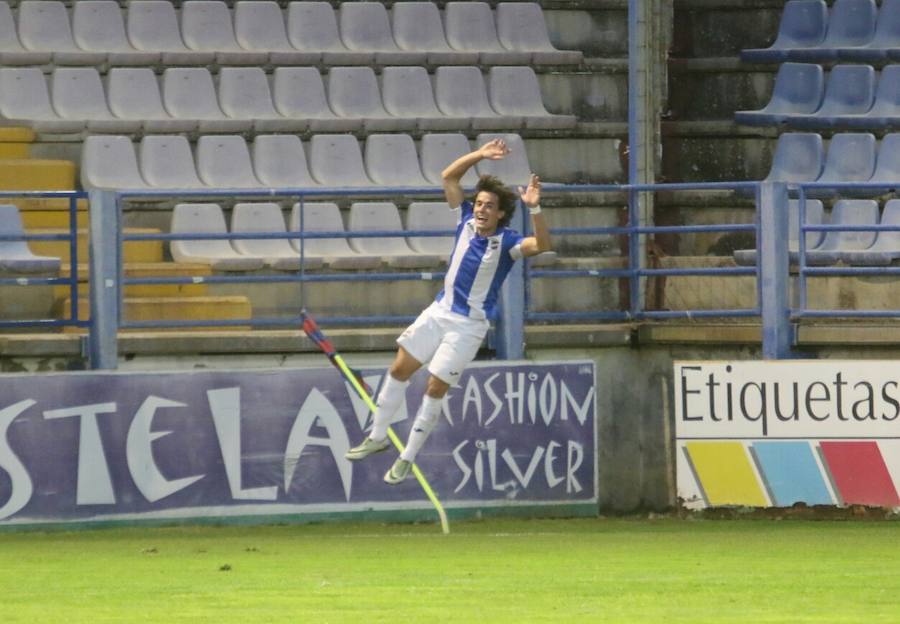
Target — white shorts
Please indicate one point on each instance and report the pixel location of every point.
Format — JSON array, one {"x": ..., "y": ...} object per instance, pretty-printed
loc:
[{"x": 448, "y": 341}]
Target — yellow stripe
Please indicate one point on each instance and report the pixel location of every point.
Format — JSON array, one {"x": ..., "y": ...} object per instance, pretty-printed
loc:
[
  {"x": 725, "y": 473},
  {"x": 445, "y": 525}
]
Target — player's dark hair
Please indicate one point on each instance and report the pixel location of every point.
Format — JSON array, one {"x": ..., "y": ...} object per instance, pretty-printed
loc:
[{"x": 506, "y": 197}]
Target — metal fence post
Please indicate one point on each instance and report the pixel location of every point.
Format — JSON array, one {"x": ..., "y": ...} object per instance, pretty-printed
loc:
[
  {"x": 104, "y": 274},
  {"x": 774, "y": 271},
  {"x": 510, "y": 329}
]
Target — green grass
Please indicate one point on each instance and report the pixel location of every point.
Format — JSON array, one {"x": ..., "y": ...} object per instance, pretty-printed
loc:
[{"x": 490, "y": 571}]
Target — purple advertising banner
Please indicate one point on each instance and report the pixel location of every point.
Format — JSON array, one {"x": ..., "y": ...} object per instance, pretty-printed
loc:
[{"x": 120, "y": 446}]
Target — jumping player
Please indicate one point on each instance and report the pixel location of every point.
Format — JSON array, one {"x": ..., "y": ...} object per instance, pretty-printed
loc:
[{"x": 449, "y": 332}]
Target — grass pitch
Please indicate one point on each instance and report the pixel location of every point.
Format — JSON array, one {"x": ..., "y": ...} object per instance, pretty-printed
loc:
[{"x": 588, "y": 570}]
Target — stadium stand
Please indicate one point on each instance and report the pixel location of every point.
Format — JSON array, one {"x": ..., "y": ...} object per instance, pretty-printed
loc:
[
  {"x": 799, "y": 157},
  {"x": 850, "y": 92},
  {"x": 815, "y": 215},
  {"x": 244, "y": 94},
  {"x": 850, "y": 158},
  {"x": 887, "y": 164},
  {"x": 417, "y": 27},
  {"x": 886, "y": 247},
  {"x": 25, "y": 99},
  {"x": 167, "y": 163},
  {"x": 365, "y": 27},
  {"x": 394, "y": 251},
  {"x": 514, "y": 169},
  {"x": 15, "y": 255},
  {"x": 461, "y": 92},
  {"x": 515, "y": 93},
  {"x": 335, "y": 160},
  {"x": 44, "y": 26},
  {"x": 803, "y": 27},
  {"x": 521, "y": 27},
  {"x": 219, "y": 254},
  {"x": 153, "y": 27},
  {"x": 353, "y": 92},
  {"x": 189, "y": 93},
  {"x": 78, "y": 97},
  {"x": 98, "y": 26},
  {"x": 435, "y": 216},
  {"x": 206, "y": 26},
  {"x": 276, "y": 252},
  {"x": 133, "y": 94},
  {"x": 438, "y": 150},
  {"x": 224, "y": 162},
  {"x": 12, "y": 52},
  {"x": 260, "y": 26},
  {"x": 109, "y": 162},
  {"x": 799, "y": 89},
  {"x": 407, "y": 92},
  {"x": 470, "y": 26},
  {"x": 336, "y": 253},
  {"x": 279, "y": 161},
  {"x": 312, "y": 27},
  {"x": 854, "y": 212},
  {"x": 391, "y": 160},
  {"x": 299, "y": 94}
]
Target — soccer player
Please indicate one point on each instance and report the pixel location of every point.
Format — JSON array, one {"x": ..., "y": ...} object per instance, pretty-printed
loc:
[{"x": 449, "y": 332}]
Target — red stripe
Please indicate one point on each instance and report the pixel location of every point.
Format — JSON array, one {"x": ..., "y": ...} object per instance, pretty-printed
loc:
[{"x": 859, "y": 473}]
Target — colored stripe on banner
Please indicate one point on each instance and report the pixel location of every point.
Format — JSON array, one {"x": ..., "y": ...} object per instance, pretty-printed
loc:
[
  {"x": 790, "y": 473},
  {"x": 725, "y": 473},
  {"x": 859, "y": 473}
]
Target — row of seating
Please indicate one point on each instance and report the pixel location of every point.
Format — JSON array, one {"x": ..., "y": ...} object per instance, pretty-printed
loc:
[
  {"x": 187, "y": 99},
  {"x": 15, "y": 255},
  {"x": 280, "y": 161},
  {"x": 414, "y": 252},
  {"x": 855, "y": 247},
  {"x": 855, "y": 97},
  {"x": 854, "y": 30},
  {"x": 851, "y": 157},
  {"x": 360, "y": 33}
]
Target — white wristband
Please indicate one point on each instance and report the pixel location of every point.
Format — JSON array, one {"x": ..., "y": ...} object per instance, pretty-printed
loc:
[{"x": 534, "y": 209}]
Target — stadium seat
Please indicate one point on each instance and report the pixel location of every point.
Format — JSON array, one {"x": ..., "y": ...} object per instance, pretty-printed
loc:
[
  {"x": 97, "y": 26},
  {"x": 365, "y": 27},
  {"x": 461, "y": 92},
  {"x": 335, "y": 160},
  {"x": 887, "y": 164},
  {"x": 261, "y": 218},
  {"x": 312, "y": 27},
  {"x": 153, "y": 27},
  {"x": 521, "y": 27},
  {"x": 78, "y": 95},
  {"x": 353, "y": 93},
  {"x": 514, "y": 169},
  {"x": 336, "y": 253},
  {"x": 224, "y": 162},
  {"x": 15, "y": 255},
  {"x": 439, "y": 150},
  {"x": 25, "y": 98},
  {"x": 219, "y": 254},
  {"x": 417, "y": 27},
  {"x": 280, "y": 162},
  {"x": 886, "y": 247},
  {"x": 133, "y": 94},
  {"x": 849, "y": 94},
  {"x": 815, "y": 215},
  {"x": 851, "y": 24},
  {"x": 798, "y": 158},
  {"x": 391, "y": 160},
  {"x": 396, "y": 253},
  {"x": 206, "y": 26},
  {"x": 167, "y": 163},
  {"x": 299, "y": 94},
  {"x": 244, "y": 94},
  {"x": 259, "y": 26},
  {"x": 885, "y": 109},
  {"x": 851, "y": 158},
  {"x": 515, "y": 92},
  {"x": 407, "y": 92},
  {"x": 12, "y": 52},
  {"x": 44, "y": 27},
  {"x": 886, "y": 40},
  {"x": 803, "y": 27},
  {"x": 431, "y": 216},
  {"x": 836, "y": 243},
  {"x": 799, "y": 89},
  {"x": 188, "y": 93},
  {"x": 470, "y": 27},
  {"x": 109, "y": 162}
]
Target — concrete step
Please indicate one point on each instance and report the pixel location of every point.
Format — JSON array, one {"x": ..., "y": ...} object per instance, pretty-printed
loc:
[
  {"x": 134, "y": 251},
  {"x": 31, "y": 174},
  {"x": 148, "y": 269},
  {"x": 33, "y": 219},
  {"x": 173, "y": 308}
]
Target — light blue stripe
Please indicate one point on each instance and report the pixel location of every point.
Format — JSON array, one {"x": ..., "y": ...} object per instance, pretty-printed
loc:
[{"x": 791, "y": 473}]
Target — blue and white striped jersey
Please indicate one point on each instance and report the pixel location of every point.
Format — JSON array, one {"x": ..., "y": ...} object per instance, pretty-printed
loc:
[{"x": 478, "y": 265}]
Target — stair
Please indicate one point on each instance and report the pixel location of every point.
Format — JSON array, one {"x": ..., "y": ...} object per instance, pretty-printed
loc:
[{"x": 172, "y": 308}]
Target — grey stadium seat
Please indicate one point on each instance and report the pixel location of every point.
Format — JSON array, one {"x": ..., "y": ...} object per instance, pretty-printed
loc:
[
  {"x": 365, "y": 27},
  {"x": 279, "y": 161},
  {"x": 515, "y": 92},
  {"x": 851, "y": 158},
  {"x": 167, "y": 163},
  {"x": 514, "y": 169},
  {"x": 799, "y": 89},
  {"x": 887, "y": 164},
  {"x": 25, "y": 98},
  {"x": 97, "y": 26},
  {"x": 219, "y": 254},
  {"x": 470, "y": 26},
  {"x": 335, "y": 160},
  {"x": 407, "y": 92},
  {"x": 815, "y": 215},
  {"x": 299, "y": 94},
  {"x": 461, "y": 92},
  {"x": 259, "y": 26},
  {"x": 133, "y": 94},
  {"x": 312, "y": 27},
  {"x": 417, "y": 26},
  {"x": 12, "y": 52},
  {"x": 78, "y": 95},
  {"x": 353, "y": 93},
  {"x": 110, "y": 162},
  {"x": 336, "y": 253},
  {"x": 391, "y": 160},
  {"x": 431, "y": 216},
  {"x": 153, "y": 27},
  {"x": 384, "y": 216},
  {"x": 798, "y": 158},
  {"x": 206, "y": 26},
  {"x": 15, "y": 255},
  {"x": 439, "y": 150},
  {"x": 224, "y": 162},
  {"x": 837, "y": 243},
  {"x": 263, "y": 218},
  {"x": 188, "y": 93},
  {"x": 802, "y": 28},
  {"x": 244, "y": 94},
  {"x": 886, "y": 247},
  {"x": 44, "y": 27},
  {"x": 521, "y": 27},
  {"x": 849, "y": 94}
]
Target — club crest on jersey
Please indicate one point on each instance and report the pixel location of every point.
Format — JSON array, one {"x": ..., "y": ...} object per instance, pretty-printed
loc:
[{"x": 494, "y": 243}]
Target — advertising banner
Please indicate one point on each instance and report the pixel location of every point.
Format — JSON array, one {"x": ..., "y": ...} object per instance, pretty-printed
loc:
[
  {"x": 780, "y": 433},
  {"x": 117, "y": 446}
]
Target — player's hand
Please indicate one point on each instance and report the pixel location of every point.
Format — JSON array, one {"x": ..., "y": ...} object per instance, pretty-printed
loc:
[
  {"x": 494, "y": 150},
  {"x": 531, "y": 196}
]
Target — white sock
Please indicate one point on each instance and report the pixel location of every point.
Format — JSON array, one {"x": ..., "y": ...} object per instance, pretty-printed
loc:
[
  {"x": 389, "y": 400},
  {"x": 426, "y": 419}
]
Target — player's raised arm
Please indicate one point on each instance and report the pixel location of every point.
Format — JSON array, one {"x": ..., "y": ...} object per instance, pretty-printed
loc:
[
  {"x": 531, "y": 197},
  {"x": 451, "y": 176}
]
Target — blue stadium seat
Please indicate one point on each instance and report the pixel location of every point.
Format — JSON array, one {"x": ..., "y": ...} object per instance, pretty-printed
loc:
[
  {"x": 885, "y": 43},
  {"x": 799, "y": 88},
  {"x": 803, "y": 26},
  {"x": 851, "y": 25},
  {"x": 815, "y": 215},
  {"x": 798, "y": 158},
  {"x": 887, "y": 165},
  {"x": 885, "y": 110},
  {"x": 851, "y": 158},
  {"x": 836, "y": 243},
  {"x": 848, "y": 96},
  {"x": 886, "y": 247}
]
